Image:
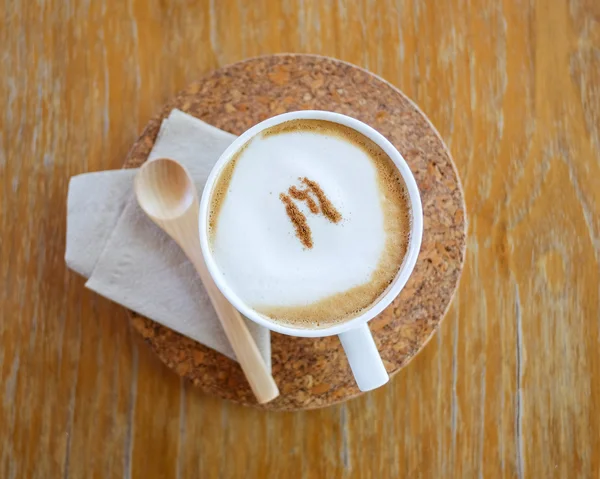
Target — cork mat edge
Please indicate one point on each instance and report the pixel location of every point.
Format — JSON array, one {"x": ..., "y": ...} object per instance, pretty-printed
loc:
[{"x": 277, "y": 68}]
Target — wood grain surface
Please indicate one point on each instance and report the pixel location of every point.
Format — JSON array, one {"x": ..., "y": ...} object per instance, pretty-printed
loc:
[{"x": 509, "y": 385}]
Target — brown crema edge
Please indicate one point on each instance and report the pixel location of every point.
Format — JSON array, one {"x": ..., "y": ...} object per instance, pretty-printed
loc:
[
  {"x": 395, "y": 204},
  {"x": 343, "y": 306},
  {"x": 220, "y": 191}
]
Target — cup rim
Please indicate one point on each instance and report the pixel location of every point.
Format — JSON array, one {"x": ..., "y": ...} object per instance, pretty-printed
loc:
[{"x": 410, "y": 258}]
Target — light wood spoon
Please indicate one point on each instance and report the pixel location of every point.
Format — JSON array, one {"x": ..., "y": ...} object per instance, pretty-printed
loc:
[{"x": 166, "y": 193}]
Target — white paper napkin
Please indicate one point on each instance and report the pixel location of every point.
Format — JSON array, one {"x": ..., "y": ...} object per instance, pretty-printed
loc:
[{"x": 129, "y": 260}]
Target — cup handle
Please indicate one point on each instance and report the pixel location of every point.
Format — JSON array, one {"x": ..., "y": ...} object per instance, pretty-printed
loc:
[{"x": 365, "y": 362}]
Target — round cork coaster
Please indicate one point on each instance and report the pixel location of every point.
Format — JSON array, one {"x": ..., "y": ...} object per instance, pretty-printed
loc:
[{"x": 313, "y": 372}]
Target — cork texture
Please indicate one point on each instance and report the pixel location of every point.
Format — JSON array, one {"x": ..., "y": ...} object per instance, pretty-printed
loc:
[{"x": 313, "y": 372}]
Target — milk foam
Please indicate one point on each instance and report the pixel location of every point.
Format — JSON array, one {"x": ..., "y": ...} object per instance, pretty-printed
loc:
[{"x": 350, "y": 263}]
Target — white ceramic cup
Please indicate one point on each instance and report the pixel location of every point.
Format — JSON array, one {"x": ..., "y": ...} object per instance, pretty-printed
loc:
[{"x": 354, "y": 334}]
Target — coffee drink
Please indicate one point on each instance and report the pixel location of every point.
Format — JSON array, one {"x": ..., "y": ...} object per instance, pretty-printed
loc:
[{"x": 309, "y": 223}]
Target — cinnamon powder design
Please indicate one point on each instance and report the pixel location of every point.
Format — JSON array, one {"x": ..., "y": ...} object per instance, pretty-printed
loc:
[
  {"x": 327, "y": 207},
  {"x": 298, "y": 218},
  {"x": 303, "y": 195}
]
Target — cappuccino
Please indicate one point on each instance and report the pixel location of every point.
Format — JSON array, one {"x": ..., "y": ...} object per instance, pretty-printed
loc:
[{"x": 309, "y": 223}]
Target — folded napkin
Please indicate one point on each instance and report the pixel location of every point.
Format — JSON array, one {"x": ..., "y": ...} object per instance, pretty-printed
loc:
[{"x": 129, "y": 260}]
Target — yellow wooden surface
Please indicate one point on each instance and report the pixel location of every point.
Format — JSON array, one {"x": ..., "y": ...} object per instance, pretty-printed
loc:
[{"x": 509, "y": 387}]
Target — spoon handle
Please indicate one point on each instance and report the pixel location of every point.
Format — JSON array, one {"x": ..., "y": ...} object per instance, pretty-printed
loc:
[
  {"x": 166, "y": 192},
  {"x": 243, "y": 344}
]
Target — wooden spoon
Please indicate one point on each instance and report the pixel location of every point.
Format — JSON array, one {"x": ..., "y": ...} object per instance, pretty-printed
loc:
[{"x": 166, "y": 193}]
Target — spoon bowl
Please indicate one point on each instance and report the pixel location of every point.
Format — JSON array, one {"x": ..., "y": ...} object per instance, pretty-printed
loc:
[{"x": 176, "y": 191}]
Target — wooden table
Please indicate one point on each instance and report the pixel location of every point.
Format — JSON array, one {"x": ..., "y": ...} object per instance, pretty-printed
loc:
[{"x": 509, "y": 387}]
